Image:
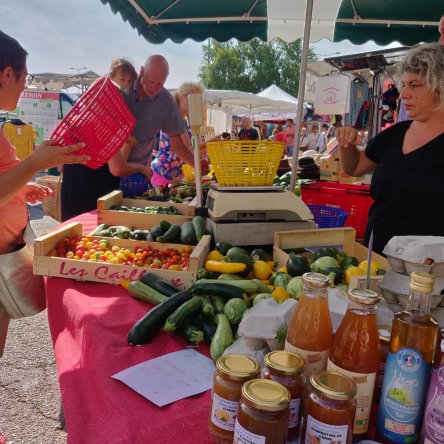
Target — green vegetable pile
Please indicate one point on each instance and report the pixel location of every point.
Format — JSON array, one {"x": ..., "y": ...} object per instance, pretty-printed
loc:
[{"x": 147, "y": 210}]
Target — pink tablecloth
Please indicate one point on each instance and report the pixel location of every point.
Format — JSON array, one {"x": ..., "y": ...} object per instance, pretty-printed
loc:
[{"x": 89, "y": 323}]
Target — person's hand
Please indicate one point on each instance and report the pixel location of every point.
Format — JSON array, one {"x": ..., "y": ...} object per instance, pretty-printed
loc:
[
  {"x": 132, "y": 141},
  {"x": 48, "y": 155},
  {"x": 146, "y": 171},
  {"x": 347, "y": 136},
  {"x": 35, "y": 193}
]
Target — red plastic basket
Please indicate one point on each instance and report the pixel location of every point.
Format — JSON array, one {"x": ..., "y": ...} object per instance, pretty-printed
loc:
[
  {"x": 101, "y": 119},
  {"x": 354, "y": 199}
]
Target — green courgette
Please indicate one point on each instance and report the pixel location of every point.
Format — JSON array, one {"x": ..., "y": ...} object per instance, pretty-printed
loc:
[
  {"x": 247, "y": 285},
  {"x": 99, "y": 229},
  {"x": 187, "y": 234},
  {"x": 223, "y": 247},
  {"x": 218, "y": 304},
  {"x": 139, "y": 235},
  {"x": 198, "y": 223},
  {"x": 207, "y": 306},
  {"x": 171, "y": 235},
  {"x": 158, "y": 284},
  {"x": 206, "y": 325},
  {"x": 165, "y": 225},
  {"x": 156, "y": 231},
  {"x": 187, "y": 309},
  {"x": 223, "y": 337},
  {"x": 191, "y": 332},
  {"x": 145, "y": 328},
  {"x": 227, "y": 291},
  {"x": 143, "y": 292}
]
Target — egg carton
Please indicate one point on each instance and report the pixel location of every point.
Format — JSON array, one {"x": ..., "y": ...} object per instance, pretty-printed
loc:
[{"x": 406, "y": 254}]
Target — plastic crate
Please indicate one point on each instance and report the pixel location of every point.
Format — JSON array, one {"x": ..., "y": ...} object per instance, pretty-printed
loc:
[
  {"x": 354, "y": 199},
  {"x": 100, "y": 119},
  {"x": 245, "y": 162},
  {"x": 328, "y": 217},
  {"x": 133, "y": 185}
]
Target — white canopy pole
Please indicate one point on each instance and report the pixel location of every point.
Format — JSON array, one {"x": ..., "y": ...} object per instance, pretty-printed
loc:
[{"x": 301, "y": 93}]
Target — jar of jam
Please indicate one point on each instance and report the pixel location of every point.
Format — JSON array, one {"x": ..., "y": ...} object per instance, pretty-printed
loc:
[
  {"x": 232, "y": 371},
  {"x": 330, "y": 409},
  {"x": 288, "y": 369},
  {"x": 385, "y": 332},
  {"x": 263, "y": 414}
]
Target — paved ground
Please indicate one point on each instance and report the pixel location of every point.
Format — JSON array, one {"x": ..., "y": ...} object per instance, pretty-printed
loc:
[{"x": 29, "y": 389}]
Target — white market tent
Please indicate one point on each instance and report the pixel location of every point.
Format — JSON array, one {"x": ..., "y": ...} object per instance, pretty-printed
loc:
[{"x": 275, "y": 93}]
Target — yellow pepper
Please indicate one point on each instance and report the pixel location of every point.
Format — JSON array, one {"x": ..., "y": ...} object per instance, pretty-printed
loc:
[
  {"x": 374, "y": 267},
  {"x": 352, "y": 271},
  {"x": 215, "y": 256},
  {"x": 225, "y": 267},
  {"x": 262, "y": 270}
]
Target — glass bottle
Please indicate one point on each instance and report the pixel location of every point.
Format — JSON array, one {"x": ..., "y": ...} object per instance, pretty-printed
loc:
[
  {"x": 385, "y": 332},
  {"x": 433, "y": 426},
  {"x": 263, "y": 415},
  {"x": 355, "y": 352},
  {"x": 232, "y": 371},
  {"x": 310, "y": 330},
  {"x": 289, "y": 370},
  {"x": 329, "y": 409},
  {"x": 408, "y": 365}
]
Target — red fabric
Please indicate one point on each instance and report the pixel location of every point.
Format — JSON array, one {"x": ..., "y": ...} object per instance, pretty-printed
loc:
[{"x": 89, "y": 323}]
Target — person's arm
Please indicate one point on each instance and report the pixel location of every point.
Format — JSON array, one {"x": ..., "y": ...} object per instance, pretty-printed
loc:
[
  {"x": 120, "y": 168},
  {"x": 354, "y": 162},
  {"x": 181, "y": 145},
  {"x": 45, "y": 156}
]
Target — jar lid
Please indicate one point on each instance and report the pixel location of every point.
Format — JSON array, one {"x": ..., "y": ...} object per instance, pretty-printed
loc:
[
  {"x": 238, "y": 367},
  {"x": 334, "y": 385},
  {"x": 385, "y": 332},
  {"x": 316, "y": 280},
  {"x": 421, "y": 281},
  {"x": 363, "y": 296},
  {"x": 284, "y": 362},
  {"x": 265, "y": 394}
]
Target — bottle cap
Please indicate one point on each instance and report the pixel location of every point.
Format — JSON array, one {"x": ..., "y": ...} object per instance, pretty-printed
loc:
[
  {"x": 385, "y": 332},
  {"x": 334, "y": 385},
  {"x": 363, "y": 296},
  {"x": 316, "y": 280},
  {"x": 238, "y": 367},
  {"x": 421, "y": 281},
  {"x": 265, "y": 394},
  {"x": 285, "y": 363}
]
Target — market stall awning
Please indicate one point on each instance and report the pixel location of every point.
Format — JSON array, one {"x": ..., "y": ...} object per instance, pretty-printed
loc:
[
  {"x": 406, "y": 21},
  {"x": 276, "y": 93}
]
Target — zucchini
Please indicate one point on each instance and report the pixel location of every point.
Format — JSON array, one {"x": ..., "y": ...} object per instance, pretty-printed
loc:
[
  {"x": 191, "y": 332},
  {"x": 226, "y": 291},
  {"x": 156, "y": 231},
  {"x": 247, "y": 285},
  {"x": 187, "y": 234},
  {"x": 123, "y": 232},
  {"x": 158, "y": 284},
  {"x": 223, "y": 337},
  {"x": 198, "y": 223},
  {"x": 218, "y": 304},
  {"x": 165, "y": 225},
  {"x": 225, "y": 267},
  {"x": 206, "y": 325},
  {"x": 223, "y": 247},
  {"x": 207, "y": 306},
  {"x": 227, "y": 277},
  {"x": 177, "y": 318},
  {"x": 203, "y": 273},
  {"x": 139, "y": 235},
  {"x": 262, "y": 288},
  {"x": 171, "y": 235},
  {"x": 99, "y": 229},
  {"x": 145, "y": 328},
  {"x": 143, "y": 292}
]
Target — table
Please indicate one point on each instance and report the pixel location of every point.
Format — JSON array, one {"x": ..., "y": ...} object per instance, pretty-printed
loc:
[{"x": 89, "y": 323}]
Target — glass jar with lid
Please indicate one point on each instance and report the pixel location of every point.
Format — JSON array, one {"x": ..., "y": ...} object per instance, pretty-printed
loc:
[
  {"x": 289, "y": 370},
  {"x": 232, "y": 371},
  {"x": 330, "y": 408},
  {"x": 264, "y": 413}
]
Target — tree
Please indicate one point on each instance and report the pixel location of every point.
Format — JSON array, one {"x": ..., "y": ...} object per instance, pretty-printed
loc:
[{"x": 252, "y": 66}]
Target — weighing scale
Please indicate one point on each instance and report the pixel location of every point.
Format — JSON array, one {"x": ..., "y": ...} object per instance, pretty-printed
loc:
[{"x": 251, "y": 215}]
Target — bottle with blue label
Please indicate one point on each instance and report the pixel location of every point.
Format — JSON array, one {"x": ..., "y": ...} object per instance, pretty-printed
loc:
[{"x": 407, "y": 372}]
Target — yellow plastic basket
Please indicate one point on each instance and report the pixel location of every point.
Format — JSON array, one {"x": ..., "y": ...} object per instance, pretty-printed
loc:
[{"x": 245, "y": 162}]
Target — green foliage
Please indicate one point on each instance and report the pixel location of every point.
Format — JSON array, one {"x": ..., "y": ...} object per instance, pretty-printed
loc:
[{"x": 252, "y": 66}]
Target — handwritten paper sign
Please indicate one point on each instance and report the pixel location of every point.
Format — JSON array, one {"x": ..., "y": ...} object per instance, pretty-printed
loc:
[{"x": 170, "y": 377}]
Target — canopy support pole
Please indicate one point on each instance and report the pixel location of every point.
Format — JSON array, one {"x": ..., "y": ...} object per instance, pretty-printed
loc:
[{"x": 301, "y": 92}]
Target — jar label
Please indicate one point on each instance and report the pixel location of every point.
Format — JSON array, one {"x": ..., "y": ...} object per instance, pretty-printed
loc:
[
  {"x": 294, "y": 413},
  {"x": 365, "y": 384},
  {"x": 316, "y": 360},
  {"x": 321, "y": 432},
  {"x": 433, "y": 427},
  {"x": 243, "y": 436},
  {"x": 402, "y": 396},
  {"x": 223, "y": 412}
]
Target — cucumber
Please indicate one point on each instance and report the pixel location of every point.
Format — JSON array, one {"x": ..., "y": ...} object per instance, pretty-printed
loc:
[
  {"x": 171, "y": 235},
  {"x": 145, "y": 328},
  {"x": 223, "y": 337},
  {"x": 165, "y": 225},
  {"x": 207, "y": 306},
  {"x": 218, "y": 304},
  {"x": 143, "y": 292},
  {"x": 187, "y": 309},
  {"x": 191, "y": 332},
  {"x": 158, "y": 284},
  {"x": 227, "y": 291},
  {"x": 188, "y": 235},
  {"x": 206, "y": 325},
  {"x": 247, "y": 285},
  {"x": 198, "y": 223},
  {"x": 99, "y": 228},
  {"x": 156, "y": 231}
]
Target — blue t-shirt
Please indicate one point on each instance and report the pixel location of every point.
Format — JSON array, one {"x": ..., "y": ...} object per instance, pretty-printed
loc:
[{"x": 152, "y": 114}]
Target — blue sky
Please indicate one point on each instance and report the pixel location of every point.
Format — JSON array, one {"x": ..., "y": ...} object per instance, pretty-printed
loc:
[{"x": 64, "y": 34}]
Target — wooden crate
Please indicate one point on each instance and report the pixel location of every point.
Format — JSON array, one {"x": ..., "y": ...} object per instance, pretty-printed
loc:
[
  {"x": 46, "y": 265},
  {"x": 138, "y": 220},
  {"x": 328, "y": 237}
]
